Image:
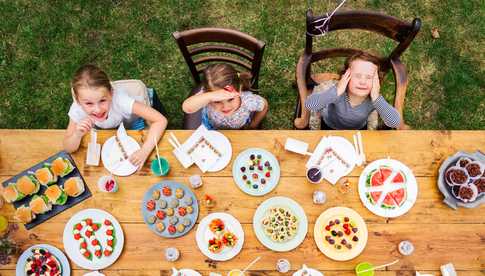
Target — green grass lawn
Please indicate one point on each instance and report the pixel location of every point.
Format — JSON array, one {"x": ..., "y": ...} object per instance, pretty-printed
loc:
[{"x": 44, "y": 42}]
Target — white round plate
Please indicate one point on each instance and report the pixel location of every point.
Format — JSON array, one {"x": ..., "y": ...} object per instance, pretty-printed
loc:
[
  {"x": 110, "y": 155},
  {"x": 280, "y": 201},
  {"x": 71, "y": 246},
  {"x": 242, "y": 160},
  {"x": 319, "y": 233},
  {"x": 20, "y": 269},
  {"x": 224, "y": 146},
  {"x": 204, "y": 234},
  {"x": 410, "y": 186}
]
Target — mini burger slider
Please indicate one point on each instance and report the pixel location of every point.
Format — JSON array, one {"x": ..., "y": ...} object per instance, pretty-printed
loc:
[
  {"x": 40, "y": 204},
  {"x": 24, "y": 214},
  {"x": 45, "y": 176},
  {"x": 28, "y": 185},
  {"x": 11, "y": 194},
  {"x": 61, "y": 167},
  {"x": 74, "y": 186},
  {"x": 55, "y": 195}
]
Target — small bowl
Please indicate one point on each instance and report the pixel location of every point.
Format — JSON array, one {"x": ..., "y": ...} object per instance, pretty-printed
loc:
[
  {"x": 103, "y": 184},
  {"x": 156, "y": 167}
]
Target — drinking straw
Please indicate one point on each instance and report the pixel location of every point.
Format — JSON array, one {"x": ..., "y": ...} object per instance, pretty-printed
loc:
[
  {"x": 158, "y": 155},
  {"x": 251, "y": 264}
]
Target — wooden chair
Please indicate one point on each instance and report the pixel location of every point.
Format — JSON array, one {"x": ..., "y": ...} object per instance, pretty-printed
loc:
[
  {"x": 391, "y": 27},
  {"x": 204, "y": 46}
]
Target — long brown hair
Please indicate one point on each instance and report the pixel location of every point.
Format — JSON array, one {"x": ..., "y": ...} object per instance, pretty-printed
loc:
[
  {"x": 217, "y": 76},
  {"x": 89, "y": 76}
]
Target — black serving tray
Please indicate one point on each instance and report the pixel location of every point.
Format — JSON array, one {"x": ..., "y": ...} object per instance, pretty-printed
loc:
[{"x": 56, "y": 209}]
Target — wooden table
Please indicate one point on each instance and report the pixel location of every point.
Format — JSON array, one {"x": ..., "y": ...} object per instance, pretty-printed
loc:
[{"x": 440, "y": 234}]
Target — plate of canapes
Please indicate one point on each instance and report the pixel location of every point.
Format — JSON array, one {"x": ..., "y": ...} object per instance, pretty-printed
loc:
[
  {"x": 340, "y": 233},
  {"x": 256, "y": 171},
  {"x": 220, "y": 236},
  {"x": 46, "y": 189},
  {"x": 462, "y": 179},
  {"x": 280, "y": 224},
  {"x": 93, "y": 239},
  {"x": 170, "y": 209}
]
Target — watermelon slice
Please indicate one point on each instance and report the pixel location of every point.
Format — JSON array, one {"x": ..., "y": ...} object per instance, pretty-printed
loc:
[{"x": 378, "y": 177}]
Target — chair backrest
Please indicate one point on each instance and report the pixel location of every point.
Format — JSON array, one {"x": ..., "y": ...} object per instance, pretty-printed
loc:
[
  {"x": 203, "y": 46},
  {"x": 391, "y": 27},
  {"x": 134, "y": 88}
]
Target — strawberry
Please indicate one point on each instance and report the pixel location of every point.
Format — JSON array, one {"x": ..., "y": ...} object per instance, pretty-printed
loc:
[
  {"x": 77, "y": 236},
  {"x": 327, "y": 227},
  {"x": 268, "y": 174}
]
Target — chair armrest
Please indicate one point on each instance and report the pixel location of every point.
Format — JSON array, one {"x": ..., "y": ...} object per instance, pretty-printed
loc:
[
  {"x": 302, "y": 115},
  {"x": 401, "y": 78},
  {"x": 193, "y": 120}
]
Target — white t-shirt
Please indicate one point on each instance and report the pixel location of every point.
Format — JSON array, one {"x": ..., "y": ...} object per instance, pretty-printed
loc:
[{"x": 120, "y": 111}]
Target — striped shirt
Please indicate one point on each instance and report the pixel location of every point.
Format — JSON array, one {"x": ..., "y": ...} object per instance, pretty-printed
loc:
[{"x": 337, "y": 112}]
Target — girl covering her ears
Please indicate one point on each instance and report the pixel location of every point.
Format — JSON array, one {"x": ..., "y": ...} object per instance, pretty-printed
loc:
[
  {"x": 97, "y": 104},
  {"x": 225, "y": 100},
  {"x": 348, "y": 104}
]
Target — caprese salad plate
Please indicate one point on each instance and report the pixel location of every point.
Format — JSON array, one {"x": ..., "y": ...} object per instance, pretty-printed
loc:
[{"x": 93, "y": 239}]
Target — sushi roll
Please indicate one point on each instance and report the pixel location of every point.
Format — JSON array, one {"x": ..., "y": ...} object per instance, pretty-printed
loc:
[
  {"x": 11, "y": 194},
  {"x": 40, "y": 204},
  {"x": 28, "y": 185},
  {"x": 180, "y": 228},
  {"x": 61, "y": 167},
  {"x": 24, "y": 214},
  {"x": 45, "y": 176},
  {"x": 188, "y": 201},
  {"x": 74, "y": 186},
  {"x": 179, "y": 193},
  {"x": 160, "y": 227},
  {"x": 162, "y": 203},
  {"x": 56, "y": 195}
]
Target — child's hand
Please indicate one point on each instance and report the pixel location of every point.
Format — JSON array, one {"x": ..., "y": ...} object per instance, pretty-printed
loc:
[
  {"x": 221, "y": 95},
  {"x": 139, "y": 157},
  {"x": 84, "y": 126},
  {"x": 343, "y": 82},
  {"x": 376, "y": 87}
]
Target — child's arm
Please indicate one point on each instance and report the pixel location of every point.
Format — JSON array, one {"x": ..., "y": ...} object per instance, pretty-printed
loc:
[
  {"x": 259, "y": 115},
  {"x": 318, "y": 100},
  {"x": 157, "y": 123},
  {"x": 75, "y": 132},
  {"x": 198, "y": 101},
  {"x": 388, "y": 113}
]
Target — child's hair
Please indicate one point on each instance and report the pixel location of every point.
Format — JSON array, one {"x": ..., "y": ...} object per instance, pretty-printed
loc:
[
  {"x": 362, "y": 56},
  {"x": 89, "y": 76},
  {"x": 217, "y": 76}
]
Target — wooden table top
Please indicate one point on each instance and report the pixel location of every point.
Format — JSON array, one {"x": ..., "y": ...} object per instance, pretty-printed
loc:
[{"x": 440, "y": 235}]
